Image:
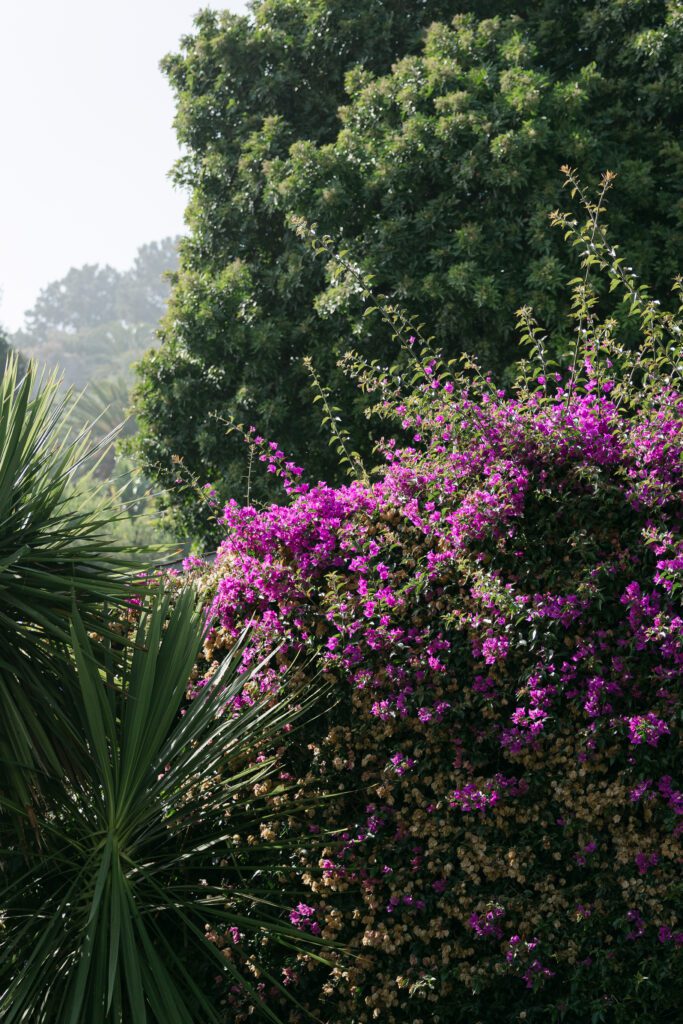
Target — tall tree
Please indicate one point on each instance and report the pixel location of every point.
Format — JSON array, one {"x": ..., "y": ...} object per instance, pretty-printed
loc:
[
  {"x": 97, "y": 320},
  {"x": 428, "y": 139},
  {"x": 143, "y": 290},
  {"x": 84, "y": 297}
]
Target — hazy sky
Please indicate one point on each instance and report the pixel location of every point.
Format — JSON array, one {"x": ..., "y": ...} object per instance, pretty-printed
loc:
[{"x": 87, "y": 138}]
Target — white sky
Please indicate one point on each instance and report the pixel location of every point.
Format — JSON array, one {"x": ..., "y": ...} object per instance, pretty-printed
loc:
[{"x": 87, "y": 138}]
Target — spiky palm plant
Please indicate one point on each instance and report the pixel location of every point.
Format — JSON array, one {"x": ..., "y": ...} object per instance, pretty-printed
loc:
[
  {"x": 104, "y": 403},
  {"x": 106, "y": 923},
  {"x": 53, "y": 556},
  {"x": 102, "y": 411}
]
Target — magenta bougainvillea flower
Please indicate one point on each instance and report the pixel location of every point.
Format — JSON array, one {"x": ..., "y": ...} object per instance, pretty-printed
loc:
[{"x": 498, "y": 609}]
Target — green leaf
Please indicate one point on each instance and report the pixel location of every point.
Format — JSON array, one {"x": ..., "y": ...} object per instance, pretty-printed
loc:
[{"x": 119, "y": 879}]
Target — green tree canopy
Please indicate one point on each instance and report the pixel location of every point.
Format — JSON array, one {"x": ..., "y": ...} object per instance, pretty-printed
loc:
[
  {"x": 84, "y": 297},
  {"x": 428, "y": 139}
]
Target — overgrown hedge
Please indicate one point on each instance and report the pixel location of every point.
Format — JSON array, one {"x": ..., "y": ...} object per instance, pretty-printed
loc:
[{"x": 501, "y": 611}]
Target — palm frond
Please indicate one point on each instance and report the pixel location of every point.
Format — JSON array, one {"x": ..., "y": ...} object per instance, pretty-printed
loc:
[
  {"x": 51, "y": 553},
  {"x": 107, "y": 922}
]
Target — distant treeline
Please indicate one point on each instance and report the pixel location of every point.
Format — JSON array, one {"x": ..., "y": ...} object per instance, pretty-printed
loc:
[{"x": 96, "y": 321}]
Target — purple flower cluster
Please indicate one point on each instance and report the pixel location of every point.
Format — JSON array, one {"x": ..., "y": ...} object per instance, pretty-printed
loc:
[
  {"x": 646, "y": 729},
  {"x": 485, "y": 925},
  {"x": 303, "y": 917},
  {"x": 499, "y": 609},
  {"x": 400, "y": 763}
]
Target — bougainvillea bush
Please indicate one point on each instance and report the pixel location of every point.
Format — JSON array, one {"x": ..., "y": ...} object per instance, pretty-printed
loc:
[{"x": 500, "y": 609}]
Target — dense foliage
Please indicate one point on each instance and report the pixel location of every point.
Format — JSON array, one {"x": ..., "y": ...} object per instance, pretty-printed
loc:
[
  {"x": 500, "y": 611},
  {"x": 96, "y": 321},
  {"x": 436, "y": 173}
]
